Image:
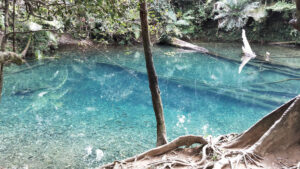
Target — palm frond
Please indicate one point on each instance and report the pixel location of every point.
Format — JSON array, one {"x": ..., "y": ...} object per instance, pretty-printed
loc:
[{"x": 234, "y": 13}]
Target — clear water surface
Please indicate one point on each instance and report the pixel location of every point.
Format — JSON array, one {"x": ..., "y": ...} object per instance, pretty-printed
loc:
[{"x": 86, "y": 109}]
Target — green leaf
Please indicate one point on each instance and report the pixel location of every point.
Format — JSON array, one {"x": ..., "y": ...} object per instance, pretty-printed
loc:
[
  {"x": 137, "y": 34},
  {"x": 51, "y": 36},
  {"x": 172, "y": 15},
  {"x": 189, "y": 17},
  {"x": 38, "y": 54},
  {"x": 182, "y": 22}
]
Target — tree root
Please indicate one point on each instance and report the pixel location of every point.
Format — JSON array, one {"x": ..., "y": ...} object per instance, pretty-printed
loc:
[
  {"x": 212, "y": 155},
  {"x": 234, "y": 158},
  {"x": 171, "y": 163},
  {"x": 178, "y": 142}
]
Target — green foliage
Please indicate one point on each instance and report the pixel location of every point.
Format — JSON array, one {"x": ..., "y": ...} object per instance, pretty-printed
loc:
[
  {"x": 179, "y": 24},
  {"x": 41, "y": 42},
  {"x": 281, "y": 6},
  {"x": 111, "y": 21},
  {"x": 233, "y": 13},
  {"x": 203, "y": 13}
]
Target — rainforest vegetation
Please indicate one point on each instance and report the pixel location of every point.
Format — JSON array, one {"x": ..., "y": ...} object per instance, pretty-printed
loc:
[{"x": 117, "y": 22}]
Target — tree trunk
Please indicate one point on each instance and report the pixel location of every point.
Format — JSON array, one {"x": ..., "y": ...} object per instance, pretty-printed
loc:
[
  {"x": 13, "y": 22},
  {"x": 6, "y": 15},
  {"x": 3, "y": 43},
  {"x": 253, "y": 134},
  {"x": 275, "y": 132},
  {"x": 1, "y": 79},
  {"x": 284, "y": 133},
  {"x": 152, "y": 77}
]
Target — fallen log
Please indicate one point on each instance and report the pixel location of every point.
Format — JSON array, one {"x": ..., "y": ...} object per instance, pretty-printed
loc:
[
  {"x": 12, "y": 57},
  {"x": 182, "y": 44},
  {"x": 283, "y": 43}
]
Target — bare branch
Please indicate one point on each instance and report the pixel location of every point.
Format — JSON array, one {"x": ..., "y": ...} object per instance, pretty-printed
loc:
[{"x": 23, "y": 54}]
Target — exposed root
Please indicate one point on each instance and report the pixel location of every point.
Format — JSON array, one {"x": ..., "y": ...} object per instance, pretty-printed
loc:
[
  {"x": 247, "y": 158},
  {"x": 180, "y": 141},
  {"x": 171, "y": 163},
  {"x": 212, "y": 156},
  {"x": 204, "y": 156}
]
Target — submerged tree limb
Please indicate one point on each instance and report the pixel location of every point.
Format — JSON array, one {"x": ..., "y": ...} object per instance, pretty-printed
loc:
[{"x": 279, "y": 81}]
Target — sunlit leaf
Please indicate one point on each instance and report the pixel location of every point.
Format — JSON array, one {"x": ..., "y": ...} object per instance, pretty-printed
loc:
[
  {"x": 182, "y": 22},
  {"x": 34, "y": 26},
  {"x": 172, "y": 15},
  {"x": 51, "y": 36}
]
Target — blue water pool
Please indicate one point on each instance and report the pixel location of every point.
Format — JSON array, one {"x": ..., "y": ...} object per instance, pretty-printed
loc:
[{"x": 85, "y": 109}]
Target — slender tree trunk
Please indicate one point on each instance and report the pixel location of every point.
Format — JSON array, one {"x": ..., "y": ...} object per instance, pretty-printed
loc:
[
  {"x": 3, "y": 43},
  {"x": 152, "y": 77},
  {"x": 298, "y": 6},
  {"x": 4, "y": 39},
  {"x": 1, "y": 79},
  {"x": 14, "y": 18},
  {"x": 297, "y": 25}
]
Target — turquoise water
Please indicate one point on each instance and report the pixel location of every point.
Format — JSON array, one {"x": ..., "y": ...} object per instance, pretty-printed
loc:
[{"x": 86, "y": 109}]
